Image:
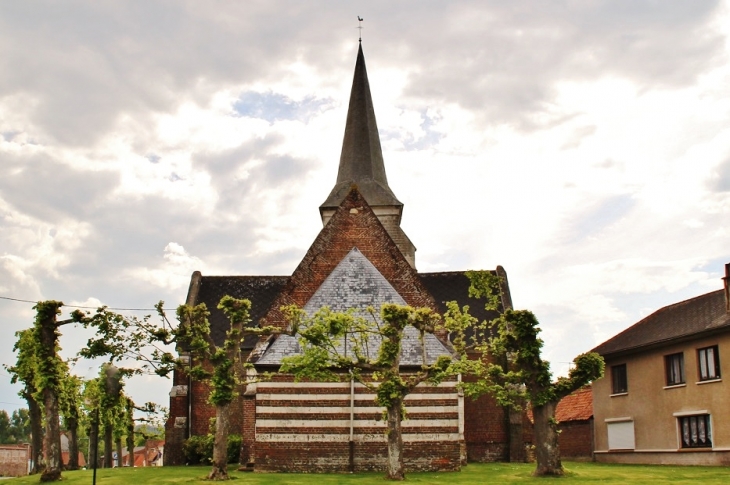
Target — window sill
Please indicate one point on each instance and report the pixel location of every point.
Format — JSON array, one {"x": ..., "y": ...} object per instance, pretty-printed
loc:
[
  {"x": 675, "y": 386},
  {"x": 709, "y": 381},
  {"x": 703, "y": 449},
  {"x": 619, "y": 394}
]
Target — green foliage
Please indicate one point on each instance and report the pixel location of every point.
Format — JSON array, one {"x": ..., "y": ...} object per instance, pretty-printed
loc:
[
  {"x": 198, "y": 449},
  {"x": 511, "y": 367}
]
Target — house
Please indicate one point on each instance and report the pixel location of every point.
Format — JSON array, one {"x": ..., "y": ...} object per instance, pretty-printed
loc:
[
  {"x": 148, "y": 455},
  {"x": 65, "y": 452},
  {"x": 663, "y": 398},
  {"x": 361, "y": 258}
]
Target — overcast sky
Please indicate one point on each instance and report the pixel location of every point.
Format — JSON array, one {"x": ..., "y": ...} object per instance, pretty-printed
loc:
[{"x": 582, "y": 145}]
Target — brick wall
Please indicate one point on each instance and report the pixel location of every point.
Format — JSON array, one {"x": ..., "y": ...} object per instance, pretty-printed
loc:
[
  {"x": 576, "y": 439},
  {"x": 14, "y": 460},
  {"x": 305, "y": 427}
]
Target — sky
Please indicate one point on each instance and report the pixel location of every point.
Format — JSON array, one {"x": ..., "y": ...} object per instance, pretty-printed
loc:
[{"x": 582, "y": 145}]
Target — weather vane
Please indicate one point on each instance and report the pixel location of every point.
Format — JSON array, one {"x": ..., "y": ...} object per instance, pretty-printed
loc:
[{"x": 359, "y": 27}]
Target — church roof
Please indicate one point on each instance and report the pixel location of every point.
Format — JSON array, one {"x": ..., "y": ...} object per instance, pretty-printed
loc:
[
  {"x": 261, "y": 290},
  {"x": 361, "y": 160},
  {"x": 356, "y": 284}
]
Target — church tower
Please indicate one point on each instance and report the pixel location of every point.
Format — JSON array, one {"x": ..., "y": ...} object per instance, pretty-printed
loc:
[{"x": 361, "y": 164}]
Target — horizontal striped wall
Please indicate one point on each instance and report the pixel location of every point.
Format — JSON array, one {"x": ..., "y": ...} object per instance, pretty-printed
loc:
[{"x": 337, "y": 413}]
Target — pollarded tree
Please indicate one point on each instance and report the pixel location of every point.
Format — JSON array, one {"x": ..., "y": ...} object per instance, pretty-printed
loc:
[
  {"x": 51, "y": 371},
  {"x": 322, "y": 341},
  {"x": 70, "y": 407},
  {"x": 24, "y": 371},
  {"x": 193, "y": 334},
  {"x": 513, "y": 371}
]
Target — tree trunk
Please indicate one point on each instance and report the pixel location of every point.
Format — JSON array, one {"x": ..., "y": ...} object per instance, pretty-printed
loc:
[
  {"x": 395, "y": 441},
  {"x": 130, "y": 448},
  {"x": 36, "y": 431},
  {"x": 220, "y": 444},
  {"x": 119, "y": 452},
  {"x": 73, "y": 444},
  {"x": 52, "y": 438},
  {"x": 108, "y": 444},
  {"x": 130, "y": 434},
  {"x": 547, "y": 451},
  {"x": 94, "y": 441}
]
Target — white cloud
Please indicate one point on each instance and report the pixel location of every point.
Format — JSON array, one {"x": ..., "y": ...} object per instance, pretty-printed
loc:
[{"x": 172, "y": 273}]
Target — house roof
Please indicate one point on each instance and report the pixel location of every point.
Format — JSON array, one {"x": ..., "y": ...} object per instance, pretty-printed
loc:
[
  {"x": 576, "y": 406},
  {"x": 687, "y": 319},
  {"x": 361, "y": 160}
]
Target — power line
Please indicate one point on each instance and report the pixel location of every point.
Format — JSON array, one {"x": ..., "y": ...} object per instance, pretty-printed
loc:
[{"x": 89, "y": 307}]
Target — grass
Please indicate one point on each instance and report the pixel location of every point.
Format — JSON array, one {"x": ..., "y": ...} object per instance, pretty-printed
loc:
[{"x": 475, "y": 473}]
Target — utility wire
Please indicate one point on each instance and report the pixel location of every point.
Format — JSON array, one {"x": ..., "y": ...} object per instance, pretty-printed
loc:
[{"x": 89, "y": 307}]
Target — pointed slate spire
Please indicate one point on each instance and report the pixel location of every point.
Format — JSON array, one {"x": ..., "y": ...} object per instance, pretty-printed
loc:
[
  {"x": 361, "y": 161},
  {"x": 361, "y": 165}
]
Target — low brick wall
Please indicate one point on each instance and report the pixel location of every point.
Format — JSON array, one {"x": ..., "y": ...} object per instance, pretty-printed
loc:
[{"x": 14, "y": 460}]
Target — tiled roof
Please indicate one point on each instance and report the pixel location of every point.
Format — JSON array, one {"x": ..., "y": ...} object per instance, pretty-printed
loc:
[
  {"x": 699, "y": 315},
  {"x": 454, "y": 286},
  {"x": 261, "y": 290},
  {"x": 577, "y": 406}
]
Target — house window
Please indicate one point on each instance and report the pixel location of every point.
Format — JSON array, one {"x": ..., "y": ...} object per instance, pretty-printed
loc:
[
  {"x": 674, "y": 365},
  {"x": 695, "y": 431},
  {"x": 618, "y": 379},
  {"x": 709, "y": 361}
]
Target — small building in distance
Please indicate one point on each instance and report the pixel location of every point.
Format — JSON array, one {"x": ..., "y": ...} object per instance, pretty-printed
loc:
[{"x": 663, "y": 399}]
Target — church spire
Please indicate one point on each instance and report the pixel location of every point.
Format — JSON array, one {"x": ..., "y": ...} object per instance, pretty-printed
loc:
[
  {"x": 361, "y": 164},
  {"x": 361, "y": 160}
]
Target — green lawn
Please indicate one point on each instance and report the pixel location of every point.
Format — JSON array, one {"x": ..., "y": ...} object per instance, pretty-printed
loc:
[{"x": 472, "y": 474}]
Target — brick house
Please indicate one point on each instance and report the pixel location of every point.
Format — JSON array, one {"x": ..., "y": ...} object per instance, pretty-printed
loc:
[
  {"x": 663, "y": 399},
  {"x": 360, "y": 258}
]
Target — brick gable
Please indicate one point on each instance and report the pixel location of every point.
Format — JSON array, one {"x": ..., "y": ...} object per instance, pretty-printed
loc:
[{"x": 353, "y": 225}]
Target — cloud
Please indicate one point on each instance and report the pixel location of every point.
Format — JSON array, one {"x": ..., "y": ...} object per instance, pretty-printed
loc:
[{"x": 173, "y": 273}]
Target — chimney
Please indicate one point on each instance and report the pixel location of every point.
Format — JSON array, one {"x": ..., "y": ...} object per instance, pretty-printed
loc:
[{"x": 726, "y": 280}]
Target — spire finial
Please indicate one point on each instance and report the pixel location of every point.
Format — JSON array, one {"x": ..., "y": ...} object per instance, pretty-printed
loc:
[{"x": 359, "y": 27}]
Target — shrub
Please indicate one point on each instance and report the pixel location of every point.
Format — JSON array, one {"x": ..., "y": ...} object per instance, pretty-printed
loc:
[{"x": 199, "y": 449}]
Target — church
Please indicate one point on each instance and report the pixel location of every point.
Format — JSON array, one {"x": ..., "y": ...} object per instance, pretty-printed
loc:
[{"x": 361, "y": 258}]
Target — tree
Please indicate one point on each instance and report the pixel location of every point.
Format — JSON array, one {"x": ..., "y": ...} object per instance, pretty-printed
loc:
[
  {"x": 5, "y": 429},
  {"x": 193, "y": 334},
  {"x": 70, "y": 408},
  {"x": 512, "y": 370},
  {"x": 24, "y": 371},
  {"x": 51, "y": 371},
  {"x": 322, "y": 341},
  {"x": 20, "y": 426}
]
